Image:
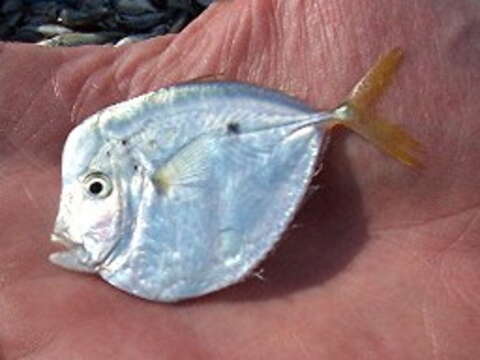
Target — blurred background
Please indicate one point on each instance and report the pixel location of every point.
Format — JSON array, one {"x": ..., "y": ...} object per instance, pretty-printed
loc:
[{"x": 88, "y": 22}]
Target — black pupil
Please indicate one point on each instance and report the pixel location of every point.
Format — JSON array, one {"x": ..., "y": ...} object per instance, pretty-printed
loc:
[
  {"x": 96, "y": 187},
  {"x": 233, "y": 128}
]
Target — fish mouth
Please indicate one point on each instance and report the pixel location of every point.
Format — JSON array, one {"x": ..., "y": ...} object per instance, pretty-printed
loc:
[
  {"x": 62, "y": 240},
  {"x": 71, "y": 258}
]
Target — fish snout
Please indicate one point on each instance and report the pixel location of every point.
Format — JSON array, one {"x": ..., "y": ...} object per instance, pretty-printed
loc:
[
  {"x": 62, "y": 238},
  {"x": 74, "y": 258}
]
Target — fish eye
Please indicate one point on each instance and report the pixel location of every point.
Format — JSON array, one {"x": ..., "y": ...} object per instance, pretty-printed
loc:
[
  {"x": 98, "y": 185},
  {"x": 233, "y": 128}
]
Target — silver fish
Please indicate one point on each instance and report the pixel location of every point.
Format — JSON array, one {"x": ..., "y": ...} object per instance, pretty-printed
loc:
[
  {"x": 49, "y": 29},
  {"x": 159, "y": 30},
  {"x": 141, "y": 22},
  {"x": 205, "y": 2},
  {"x": 134, "y": 6},
  {"x": 77, "y": 39},
  {"x": 79, "y": 18},
  {"x": 185, "y": 190}
]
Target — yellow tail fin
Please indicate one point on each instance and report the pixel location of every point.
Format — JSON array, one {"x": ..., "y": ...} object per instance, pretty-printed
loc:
[{"x": 356, "y": 112}]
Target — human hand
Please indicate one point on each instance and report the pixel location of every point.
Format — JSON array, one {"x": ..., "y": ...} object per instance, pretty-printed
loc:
[{"x": 381, "y": 262}]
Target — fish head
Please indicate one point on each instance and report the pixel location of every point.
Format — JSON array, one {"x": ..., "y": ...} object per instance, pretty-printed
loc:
[{"x": 89, "y": 214}]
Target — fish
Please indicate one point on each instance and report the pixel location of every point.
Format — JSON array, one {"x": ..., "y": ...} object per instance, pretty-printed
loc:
[
  {"x": 79, "y": 18},
  {"x": 161, "y": 29},
  {"x": 78, "y": 39},
  {"x": 142, "y": 22},
  {"x": 205, "y": 2},
  {"x": 185, "y": 190},
  {"x": 49, "y": 30},
  {"x": 134, "y": 6}
]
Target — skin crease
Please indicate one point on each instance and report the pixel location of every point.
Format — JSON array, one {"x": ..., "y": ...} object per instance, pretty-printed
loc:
[{"x": 381, "y": 262}]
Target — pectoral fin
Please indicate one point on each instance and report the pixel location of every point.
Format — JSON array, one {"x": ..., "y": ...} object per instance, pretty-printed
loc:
[{"x": 186, "y": 169}]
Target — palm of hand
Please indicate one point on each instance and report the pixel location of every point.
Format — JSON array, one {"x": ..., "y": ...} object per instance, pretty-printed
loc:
[{"x": 384, "y": 261}]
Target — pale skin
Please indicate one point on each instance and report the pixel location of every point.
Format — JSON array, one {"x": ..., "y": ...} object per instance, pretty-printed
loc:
[{"x": 382, "y": 261}]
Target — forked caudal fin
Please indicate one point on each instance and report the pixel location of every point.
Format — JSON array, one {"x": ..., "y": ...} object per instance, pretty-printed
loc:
[{"x": 356, "y": 113}]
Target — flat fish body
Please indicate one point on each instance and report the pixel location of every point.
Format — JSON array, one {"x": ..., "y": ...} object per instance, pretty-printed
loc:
[
  {"x": 210, "y": 176},
  {"x": 185, "y": 190}
]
